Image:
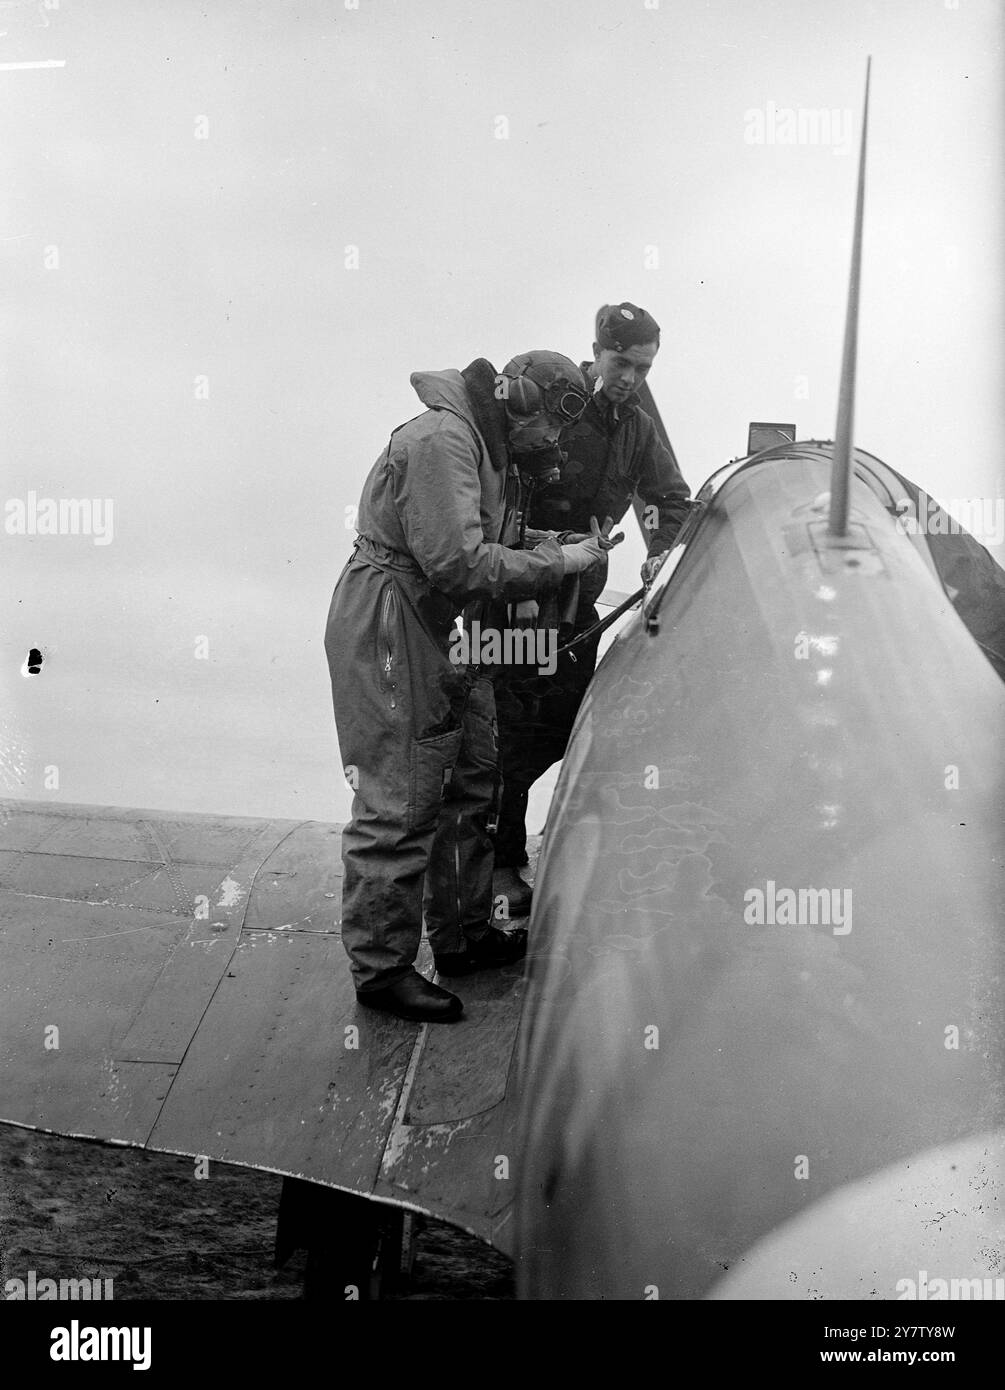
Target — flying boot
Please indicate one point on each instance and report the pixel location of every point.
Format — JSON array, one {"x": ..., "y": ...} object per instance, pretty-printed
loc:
[
  {"x": 508, "y": 884},
  {"x": 496, "y": 948},
  {"x": 414, "y": 997}
]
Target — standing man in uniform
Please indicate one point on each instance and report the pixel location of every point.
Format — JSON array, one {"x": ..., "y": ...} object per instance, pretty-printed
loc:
[
  {"x": 614, "y": 453},
  {"x": 417, "y": 728}
]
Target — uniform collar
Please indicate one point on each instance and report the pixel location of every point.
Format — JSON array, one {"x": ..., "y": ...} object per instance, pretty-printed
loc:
[{"x": 610, "y": 412}]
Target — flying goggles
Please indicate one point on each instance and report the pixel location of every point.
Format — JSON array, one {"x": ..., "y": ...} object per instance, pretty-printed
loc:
[{"x": 526, "y": 397}]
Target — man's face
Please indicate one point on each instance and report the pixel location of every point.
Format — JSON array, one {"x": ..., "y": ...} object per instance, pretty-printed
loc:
[
  {"x": 538, "y": 432},
  {"x": 623, "y": 372}
]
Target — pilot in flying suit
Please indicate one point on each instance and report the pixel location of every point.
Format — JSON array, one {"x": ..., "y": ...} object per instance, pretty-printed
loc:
[{"x": 416, "y": 728}]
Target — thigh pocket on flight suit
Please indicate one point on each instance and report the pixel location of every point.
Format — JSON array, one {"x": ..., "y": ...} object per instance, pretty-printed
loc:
[
  {"x": 432, "y": 761},
  {"x": 481, "y": 751},
  {"x": 481, "y": 727}
]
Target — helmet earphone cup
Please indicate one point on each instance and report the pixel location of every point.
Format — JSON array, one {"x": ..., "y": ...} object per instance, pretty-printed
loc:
[{"x": 523, "y": 396}]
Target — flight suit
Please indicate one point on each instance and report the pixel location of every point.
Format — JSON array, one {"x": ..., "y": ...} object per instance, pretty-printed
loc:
[{"x": 416, "y": 730}]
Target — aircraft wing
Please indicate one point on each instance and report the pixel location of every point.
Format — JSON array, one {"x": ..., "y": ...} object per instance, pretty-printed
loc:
[{"x": 177, "y": 982}]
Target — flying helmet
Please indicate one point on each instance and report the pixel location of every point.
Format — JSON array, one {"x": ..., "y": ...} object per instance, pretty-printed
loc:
[{"x": 543, "y": 381}]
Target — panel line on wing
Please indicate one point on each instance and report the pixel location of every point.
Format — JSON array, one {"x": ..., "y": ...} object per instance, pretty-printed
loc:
[
  {"x": 400, "y": 1133},
  {"x": 262, "y": 859}
]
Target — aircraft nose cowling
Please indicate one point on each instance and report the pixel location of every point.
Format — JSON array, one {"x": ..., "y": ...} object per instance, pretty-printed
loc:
[{"x": 766, "y": 914}]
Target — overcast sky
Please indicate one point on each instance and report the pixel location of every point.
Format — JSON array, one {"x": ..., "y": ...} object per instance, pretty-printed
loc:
[{"x": 186, "y": 330}]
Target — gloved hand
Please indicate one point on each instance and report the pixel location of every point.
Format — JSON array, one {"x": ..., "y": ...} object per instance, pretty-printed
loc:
[
  {"x": 582, "y": 554},
  {"x": 525, "y": 613},
  {"x": 651, "y": 567},
  {"x": 603, "y": 533}
]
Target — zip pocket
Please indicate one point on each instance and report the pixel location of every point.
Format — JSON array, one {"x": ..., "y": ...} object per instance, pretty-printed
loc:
[{"x": 385, "y": 645}]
